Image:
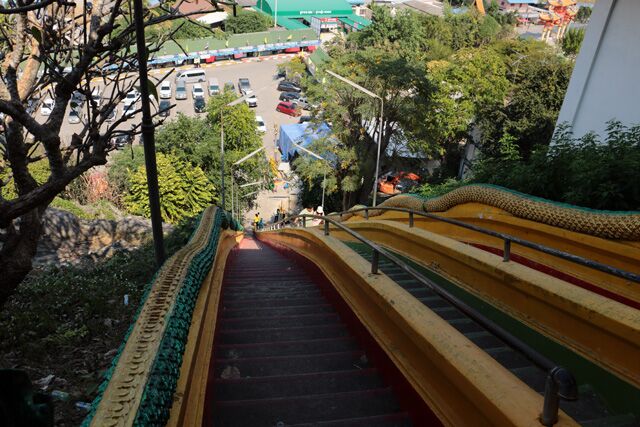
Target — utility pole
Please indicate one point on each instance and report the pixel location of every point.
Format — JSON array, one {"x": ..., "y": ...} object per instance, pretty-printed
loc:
[{"x": 148, "y": 137}]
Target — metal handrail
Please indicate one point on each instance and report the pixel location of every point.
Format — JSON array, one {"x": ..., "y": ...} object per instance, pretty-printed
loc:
[
  {"x": 508, "y": 239},
  {"x": 560, "y": 383}
]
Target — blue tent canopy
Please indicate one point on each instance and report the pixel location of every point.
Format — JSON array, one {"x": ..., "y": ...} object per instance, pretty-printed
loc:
[{"x": 303, "y": 134}]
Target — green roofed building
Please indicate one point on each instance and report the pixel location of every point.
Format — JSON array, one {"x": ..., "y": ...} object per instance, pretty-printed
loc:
[{"x": 317, "y": 14}]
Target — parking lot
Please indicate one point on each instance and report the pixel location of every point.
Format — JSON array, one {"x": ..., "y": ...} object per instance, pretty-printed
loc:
[{"x": 262, "y": 75}]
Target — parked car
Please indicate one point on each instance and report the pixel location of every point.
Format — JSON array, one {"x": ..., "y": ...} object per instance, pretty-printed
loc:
[
  {"x": 32, "y": 105},
  {"x": 111, "y": 114},
  {"x": 289, "y": 108},
  {"x": 244, "y": 86},
  {"x": 288, "y": 86},
  {"x": 214, "y": 87},
  {"x": 304, "y": 119},
  {"x": 229, "y": 87},
  {"x": 260, "y": 124},
  {"x": 304, "y": 103},
  {"x": 164, "y": 109},
  {"x": 165, "y": 90},
  {"x": 96, "y": 96},
  {"x": 74, "y": 116},
  {"x": 77, "y": 99},
  {"x": 132, "y": 97},
  {"x": 127, "y": 110},
  {"x": 289, "y": 96},
  {"x": 47, "y": 107},
  {"x": 181, "y": 90},
  {"x": 121, "y": 141},
  {"x": 251, "y": 100},
  {"x": 199, "y": 105},
  {"x": 197, "y": 91}
]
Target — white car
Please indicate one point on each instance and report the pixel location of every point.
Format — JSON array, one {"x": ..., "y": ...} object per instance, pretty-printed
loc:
[
  {"x": 47, "y": 107},
  {"x": 251, "y": 99},
  {"x": 96, "y": 96},
  {"x": 165, "y": 90},
  {"x": 128, "y": 109},
  {"x": 132, "y": 97},
  {"x": 197, "y": 91},
  {"x": 260, "y": 124}
]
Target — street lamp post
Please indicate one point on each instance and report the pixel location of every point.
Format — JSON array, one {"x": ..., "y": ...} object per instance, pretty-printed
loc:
[
  {"x": 319, "y": 157},
  {"x": 373, "y": 95},
  {"x": 231, "y": 104},
  {"x": 239, "y": 162}
]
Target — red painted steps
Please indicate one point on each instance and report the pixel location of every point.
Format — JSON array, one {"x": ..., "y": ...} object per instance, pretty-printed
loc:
[{"x": 284, "y": 357}]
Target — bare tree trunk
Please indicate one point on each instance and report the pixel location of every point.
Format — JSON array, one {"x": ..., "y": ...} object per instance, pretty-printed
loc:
[{"x": 18, "y": 250}]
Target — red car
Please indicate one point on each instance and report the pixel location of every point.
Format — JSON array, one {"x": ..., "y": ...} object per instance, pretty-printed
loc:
[{"x": 289, "y": 108}]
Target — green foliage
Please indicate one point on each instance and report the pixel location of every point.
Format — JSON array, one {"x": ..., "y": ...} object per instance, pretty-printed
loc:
[
  {"x": 83, "y": 297},
  {"x": 538, "y": 79},
  {"x": 434, "y": 190},
  {"x": 197, "y": 141},
  {"x": 39, "y": 171},
  {"x": 248, "y": 22},
  {"x": 572, "y": 41},
  {"x": 504, "y": 19},
  {"x": 184, "y": 190},
  {"x": 124, "y": 163},
  {"x": 584, "y": 171},
  {"x": 295, "y": 69},
  {"x": 584, "y": 13}
]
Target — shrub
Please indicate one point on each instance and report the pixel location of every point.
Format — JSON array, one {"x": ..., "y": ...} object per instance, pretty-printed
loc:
[
  {"x": 586, "y": 171},
  {"x": 434, "y": 190},
  {"x": 572, "y": 41},
  {"x": 184, "y": 189}
]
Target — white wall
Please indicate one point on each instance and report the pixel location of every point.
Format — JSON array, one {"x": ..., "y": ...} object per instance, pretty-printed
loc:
[{"x": 606, "y": 80}]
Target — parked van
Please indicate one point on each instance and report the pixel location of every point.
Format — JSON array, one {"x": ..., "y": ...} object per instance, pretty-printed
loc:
[
  {"x": 181, "y": 90},
  {"x": 191, "y": 76},
  {"x": 214, "y": 87}
]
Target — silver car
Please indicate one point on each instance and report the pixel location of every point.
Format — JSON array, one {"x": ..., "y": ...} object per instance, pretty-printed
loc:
[{"x": 74, "y": 116}]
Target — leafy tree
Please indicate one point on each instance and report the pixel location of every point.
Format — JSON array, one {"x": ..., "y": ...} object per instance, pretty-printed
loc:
[
  {"x": 584, "y": 13},
  {"x": 572, "y": 41},
  {"x": 197, "y": 141},
  {"x": 355, "y": 116},
  {"x": 52, "y": 52},
  {"x": 184, "y": 190},
  {"x": 538, "y": 80},
  {"x": 248, "y": 22},
  {"x": 295, "y": 69}
]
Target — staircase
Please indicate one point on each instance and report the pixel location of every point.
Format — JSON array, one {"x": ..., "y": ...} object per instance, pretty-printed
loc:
[
  {"x": 588, "y": 410},
  {"x": 283, "y": 356}
]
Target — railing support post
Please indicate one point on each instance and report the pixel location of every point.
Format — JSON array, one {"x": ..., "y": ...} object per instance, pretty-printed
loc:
[
  {"x": 410, "y": 219},
  {"x": 559, "y": 384},
  {"x": 326, "y": 228},
  {"x": 506, "y": 256},
  {"x": 366, "y": 213},
  {"x": 304, "y": 221},
  {"x": 374, "y": 261}
]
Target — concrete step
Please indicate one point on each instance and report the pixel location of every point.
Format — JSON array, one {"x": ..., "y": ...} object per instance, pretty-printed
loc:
[
  {"x": 290, "y": 365},
  {"x": 297, "y": 385},
  {"x": 304, "y": 409}
]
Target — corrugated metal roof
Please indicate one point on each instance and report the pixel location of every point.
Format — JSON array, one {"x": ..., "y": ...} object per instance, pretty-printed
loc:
[{"x": 306, "y": 7}]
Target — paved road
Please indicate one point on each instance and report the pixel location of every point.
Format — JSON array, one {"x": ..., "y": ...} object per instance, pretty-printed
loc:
[{"x": 264, "y": 83}]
